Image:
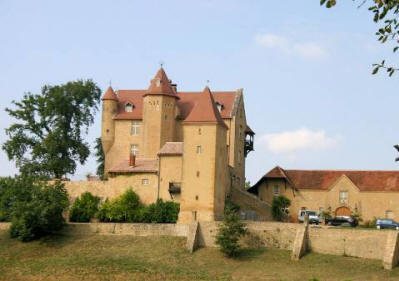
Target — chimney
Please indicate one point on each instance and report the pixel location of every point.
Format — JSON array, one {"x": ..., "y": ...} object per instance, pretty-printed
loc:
[
  {"x": 174, "y": 87},
  {"x": 132, "y": 160}
]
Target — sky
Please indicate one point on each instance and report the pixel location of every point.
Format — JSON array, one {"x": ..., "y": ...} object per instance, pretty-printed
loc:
[{"x": 305, "y": 70}]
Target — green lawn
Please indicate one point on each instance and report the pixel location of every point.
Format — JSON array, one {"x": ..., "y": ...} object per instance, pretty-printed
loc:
[{"x": 164, "y": 258}]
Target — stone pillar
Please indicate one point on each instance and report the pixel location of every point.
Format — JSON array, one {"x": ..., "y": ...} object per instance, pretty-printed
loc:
[
  {"x": 391, "y": 253},
  {"x": 192, "y": 237},
  {"x": 301, "y": 241}
]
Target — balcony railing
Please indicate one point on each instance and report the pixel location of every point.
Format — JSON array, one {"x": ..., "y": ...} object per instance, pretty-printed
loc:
[{"x": 174, "y": 187}]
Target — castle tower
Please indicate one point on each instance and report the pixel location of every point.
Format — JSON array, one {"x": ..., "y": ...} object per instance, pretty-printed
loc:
[
  {"x": 159, "y": 114},
  {"x": 110, "y": 104},
  {"x": 204, "y": 162}
]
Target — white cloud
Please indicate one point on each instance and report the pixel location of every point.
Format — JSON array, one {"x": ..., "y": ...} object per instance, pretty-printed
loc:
[
  {"x": 301, "y": 139},
  {"x": 308, "y": 50}
]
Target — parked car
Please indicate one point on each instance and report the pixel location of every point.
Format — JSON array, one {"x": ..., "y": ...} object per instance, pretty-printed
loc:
[
  {"x": 387, "y": 223},
  {"x": 340, "y": 220},
  {"x": 313, "y": 216}
]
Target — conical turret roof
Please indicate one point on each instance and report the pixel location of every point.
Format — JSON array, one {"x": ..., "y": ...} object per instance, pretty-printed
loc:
[
  {"x": 109, "y": 94},
  {"x": 160, "y": 84}
]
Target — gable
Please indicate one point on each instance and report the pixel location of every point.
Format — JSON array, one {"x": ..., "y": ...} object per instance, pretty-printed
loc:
[{"x": 344, "y": 183}]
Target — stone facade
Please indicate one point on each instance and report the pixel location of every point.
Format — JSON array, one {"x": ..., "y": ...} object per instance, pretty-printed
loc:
[
  {"x": 188, "y": 147},
  {"x": 370, "y": 194}
]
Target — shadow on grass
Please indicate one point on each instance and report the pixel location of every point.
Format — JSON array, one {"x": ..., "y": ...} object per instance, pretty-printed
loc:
[
  {"x": 249, "y": 253},
  {"x": 59, "y": 240}
]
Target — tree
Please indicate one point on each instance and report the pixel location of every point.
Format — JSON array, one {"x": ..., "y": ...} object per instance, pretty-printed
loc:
[
  {"x": 280, "y": 206},
  {"x": 36, "y": 207},
  {"x": 100, "y": 158},
  {"x": 47, "y": 138},
  {"x": 385, "y": 12},
  {"x": 230, "y": 231}
]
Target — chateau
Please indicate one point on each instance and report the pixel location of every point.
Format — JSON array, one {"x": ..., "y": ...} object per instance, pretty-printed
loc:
[
  {"x": 369, "y": 194},
  {"x": 188, "y": 147}
]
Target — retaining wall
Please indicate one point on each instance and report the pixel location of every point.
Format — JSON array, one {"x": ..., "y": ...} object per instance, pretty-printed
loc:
[{"x": 370, "y": 244}]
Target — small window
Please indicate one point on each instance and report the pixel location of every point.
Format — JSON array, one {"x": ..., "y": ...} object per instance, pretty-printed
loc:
[
  {"x": 389, "y": 214},
  {"x": 196, "y": 197},
  {"x": 199, "y": 131},
  {"x": 134, "y": 149},
  {"x": 198, "y": 149},
  {"x": 276, "y": 190},
  {"x": 198, "y": 174},
  {"x": 343, "y": 197},
  {"x": 135, "y": 128},
  {"x": 128, "y": 107},
  {"x": 219, "y": 106},
  {"x": 145, "y": 181}
]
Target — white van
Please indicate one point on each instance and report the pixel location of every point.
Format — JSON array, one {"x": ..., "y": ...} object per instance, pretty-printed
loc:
[{"x": 313, "y": 216}]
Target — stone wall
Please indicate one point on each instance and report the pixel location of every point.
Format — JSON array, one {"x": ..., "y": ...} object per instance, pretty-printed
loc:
[
  {"x": 116, "y": 186},
  {"x": 135, "y": 229},
  {"x": 251, "y": 207},
  {"x": 270, "y": 234},
  {"x": 360, "y": 243},
  {"x": 371, "y": 244}
]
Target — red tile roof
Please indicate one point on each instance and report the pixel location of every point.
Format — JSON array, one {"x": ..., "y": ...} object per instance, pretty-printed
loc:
[
  {"x": 185, "y": 103},
  {"x": 143, "y": 165},
  {"x": 171, "y": 148},
  {"x": 324, "y": 179},
  {"x": 160, "y": 84},
  {"x": 205, "y": 109},
  {"x": 109, "y": 94}
]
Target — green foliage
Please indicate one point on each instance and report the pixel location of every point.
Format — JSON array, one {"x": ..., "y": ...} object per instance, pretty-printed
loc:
[
  {"x": 125, "y": 208},
  {"x": 280, "y": 206},
  {"x": 47, "y": 137},
  {"x": 84, "y": 208},
  {"x": 100, "y": 158},
  {"x": 38, "y": 210},
  {"x": 370, "y": 223},
  {"x": 161, "y": 212},
  {"x": 229, "y": 232},
  {"x": 128, "y": 208},
  {"x": 247, "y": 184},
  {"x": 326, "y": 215},
  {"x": 385, "y": 12}
]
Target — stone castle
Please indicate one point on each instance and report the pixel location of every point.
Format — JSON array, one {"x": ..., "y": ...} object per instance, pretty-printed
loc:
[{"x": 188, "y": 147}]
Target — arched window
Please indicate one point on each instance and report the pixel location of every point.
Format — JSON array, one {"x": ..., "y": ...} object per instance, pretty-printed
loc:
[{"x": 128, "y": 107}]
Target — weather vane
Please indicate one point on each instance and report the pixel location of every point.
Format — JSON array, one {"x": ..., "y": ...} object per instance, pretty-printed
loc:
[
  {"x": 207, "y": 82},
  {"x": 161, "y": 63},
  {"x": 110, "y": 83}
]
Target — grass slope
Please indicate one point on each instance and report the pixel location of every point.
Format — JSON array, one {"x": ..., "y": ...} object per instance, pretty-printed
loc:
[{"x": 164, "y": 258}]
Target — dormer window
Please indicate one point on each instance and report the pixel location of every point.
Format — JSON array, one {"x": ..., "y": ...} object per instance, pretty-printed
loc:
[
  {"x": 129, "y": 107},
  {"x": 219, "y": 106}
]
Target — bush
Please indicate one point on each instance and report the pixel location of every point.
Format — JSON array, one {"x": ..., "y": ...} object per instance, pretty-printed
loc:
[
  {"x": 38, "y": 209},
  {"x": 161, "y": 212},
  {"x": 126, "y": 208},
  {"x": 280, "y": 206},
  {"x": 230, "y": 231},
  {"x": 84, "y": 208},
  {"x": 370, "y": 223}
]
